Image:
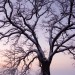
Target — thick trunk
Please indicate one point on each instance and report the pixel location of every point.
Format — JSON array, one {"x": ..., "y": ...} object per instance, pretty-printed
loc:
[{"x": 45, "y": 68}]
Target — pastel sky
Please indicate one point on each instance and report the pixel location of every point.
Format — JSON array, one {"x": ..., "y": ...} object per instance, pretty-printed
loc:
[{"x": 62, "y": 64}]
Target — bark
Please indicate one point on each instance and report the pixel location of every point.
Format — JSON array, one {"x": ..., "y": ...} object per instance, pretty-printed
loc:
[{"x": 45, "y": 68}]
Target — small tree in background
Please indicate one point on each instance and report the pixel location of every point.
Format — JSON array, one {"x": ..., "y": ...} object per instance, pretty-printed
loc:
[{"x": 22, "y": 22}]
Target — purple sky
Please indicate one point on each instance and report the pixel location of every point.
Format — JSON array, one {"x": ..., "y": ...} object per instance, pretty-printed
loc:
[{"x": 61, "y": 64}]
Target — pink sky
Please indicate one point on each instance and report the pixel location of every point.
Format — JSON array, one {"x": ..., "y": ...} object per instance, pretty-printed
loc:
[{"x": 62, "y": 64}]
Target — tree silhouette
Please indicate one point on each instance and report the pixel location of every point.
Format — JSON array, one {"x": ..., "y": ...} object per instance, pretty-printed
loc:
[{"x": 22, "y": 21}]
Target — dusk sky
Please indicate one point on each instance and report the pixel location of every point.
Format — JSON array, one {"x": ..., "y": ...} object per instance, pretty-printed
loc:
[{"x": 62, "y": 63}]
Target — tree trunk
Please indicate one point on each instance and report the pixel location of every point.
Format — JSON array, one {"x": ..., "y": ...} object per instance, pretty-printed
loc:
[{"x": 45, "y": 68}]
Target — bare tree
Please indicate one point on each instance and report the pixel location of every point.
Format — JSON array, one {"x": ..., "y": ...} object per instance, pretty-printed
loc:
[{"x": 24, "y": 19}]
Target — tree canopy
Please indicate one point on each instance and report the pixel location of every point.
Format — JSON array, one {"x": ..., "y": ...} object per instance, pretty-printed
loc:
[{"x": 24, "y": 22}]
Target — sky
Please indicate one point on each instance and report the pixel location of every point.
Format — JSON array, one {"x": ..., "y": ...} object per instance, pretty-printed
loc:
[{"x": 62, "y": 64}]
